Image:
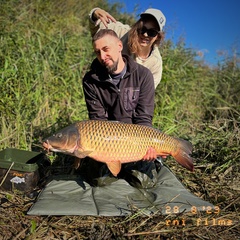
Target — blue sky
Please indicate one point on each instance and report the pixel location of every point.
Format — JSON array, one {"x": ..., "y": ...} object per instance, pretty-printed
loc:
[{"x": 208, "y": 26}]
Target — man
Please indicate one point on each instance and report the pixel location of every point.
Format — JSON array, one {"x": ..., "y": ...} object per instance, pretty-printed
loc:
[{"x": 117, "y": 88}]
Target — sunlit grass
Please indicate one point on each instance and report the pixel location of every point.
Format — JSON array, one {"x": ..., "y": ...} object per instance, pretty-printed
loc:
[{"x": 44, "y": 57}]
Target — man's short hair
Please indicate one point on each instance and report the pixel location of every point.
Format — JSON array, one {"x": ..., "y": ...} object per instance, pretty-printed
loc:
[{"x": 103, "y": 32}]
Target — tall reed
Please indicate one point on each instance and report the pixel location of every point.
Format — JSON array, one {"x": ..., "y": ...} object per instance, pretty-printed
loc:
[{"x": 45, "y": 52}]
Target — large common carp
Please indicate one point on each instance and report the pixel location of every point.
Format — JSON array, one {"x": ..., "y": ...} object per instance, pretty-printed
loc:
[{"x": 115, "y": 143}]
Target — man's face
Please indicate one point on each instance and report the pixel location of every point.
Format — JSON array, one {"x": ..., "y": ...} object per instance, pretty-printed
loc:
[{"x": 108, "y": 50}]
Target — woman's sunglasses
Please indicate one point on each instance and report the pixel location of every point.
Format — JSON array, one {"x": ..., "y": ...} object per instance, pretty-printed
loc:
[{"x": 150, "y": 32}]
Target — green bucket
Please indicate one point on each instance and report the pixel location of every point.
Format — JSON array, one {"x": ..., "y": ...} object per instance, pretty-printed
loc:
[{"x": 21, "y": 160}]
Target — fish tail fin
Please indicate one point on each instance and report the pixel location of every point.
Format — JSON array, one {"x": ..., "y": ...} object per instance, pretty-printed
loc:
[{"x": 182, "y": 155}]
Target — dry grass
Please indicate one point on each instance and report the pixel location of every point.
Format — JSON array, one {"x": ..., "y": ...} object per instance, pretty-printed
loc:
[{"x": 221, "y": 189}]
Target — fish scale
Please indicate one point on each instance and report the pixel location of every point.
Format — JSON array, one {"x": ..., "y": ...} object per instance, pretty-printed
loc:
[
  {"x": 105, "y": 141},
  {"x": 115, "y": 143}
]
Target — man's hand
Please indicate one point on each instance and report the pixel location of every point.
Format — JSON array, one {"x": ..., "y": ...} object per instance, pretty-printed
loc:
[
  {"x": 103, "y": 16},
  {"x": 151, "y": 155}
]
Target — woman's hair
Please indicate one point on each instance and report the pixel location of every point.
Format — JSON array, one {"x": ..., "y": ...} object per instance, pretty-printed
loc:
[{"x": 133, "y": 36}]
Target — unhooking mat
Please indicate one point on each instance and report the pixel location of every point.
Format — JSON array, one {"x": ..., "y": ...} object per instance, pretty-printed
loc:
[{"x": 76, "y": 197}]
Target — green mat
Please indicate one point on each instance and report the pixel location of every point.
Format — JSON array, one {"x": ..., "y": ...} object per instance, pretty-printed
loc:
[{"x": 76, "y": 197}]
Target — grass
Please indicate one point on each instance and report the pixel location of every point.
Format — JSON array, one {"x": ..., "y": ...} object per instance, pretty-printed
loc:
[{"x": 45, "y": 52}]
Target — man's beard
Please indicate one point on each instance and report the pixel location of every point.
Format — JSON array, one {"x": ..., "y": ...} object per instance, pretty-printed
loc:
[{"x": 113, "y": 68}]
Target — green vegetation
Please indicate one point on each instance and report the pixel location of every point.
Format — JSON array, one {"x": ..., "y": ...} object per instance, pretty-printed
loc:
[{"x": 45, "y": 50}]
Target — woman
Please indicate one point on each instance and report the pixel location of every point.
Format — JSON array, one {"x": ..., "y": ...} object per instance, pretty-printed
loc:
[{"x": 141, "y": 41}]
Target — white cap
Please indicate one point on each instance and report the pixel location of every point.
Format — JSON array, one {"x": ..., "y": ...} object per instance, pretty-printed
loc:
[{"x": 157, "y": 14}]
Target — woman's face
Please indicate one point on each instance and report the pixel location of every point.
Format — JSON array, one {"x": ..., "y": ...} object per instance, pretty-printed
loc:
[{"x": 148, "y": 34}]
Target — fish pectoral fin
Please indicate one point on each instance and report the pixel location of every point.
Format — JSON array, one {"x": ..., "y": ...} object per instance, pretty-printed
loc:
[
  {"x": 114, "y": 167},
  {"x": 77, "y": 163},
  {"x": 82, "y": 154}
]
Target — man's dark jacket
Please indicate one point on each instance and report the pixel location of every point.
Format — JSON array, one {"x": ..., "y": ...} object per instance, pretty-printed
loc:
[{"x": 131, "y": 101}]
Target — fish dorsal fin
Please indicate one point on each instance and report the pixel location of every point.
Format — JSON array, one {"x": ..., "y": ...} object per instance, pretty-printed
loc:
[{"x": 114, "y": 167}]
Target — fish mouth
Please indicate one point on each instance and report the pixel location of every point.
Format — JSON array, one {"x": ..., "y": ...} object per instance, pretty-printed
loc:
[{"x": 47, "y": 146}]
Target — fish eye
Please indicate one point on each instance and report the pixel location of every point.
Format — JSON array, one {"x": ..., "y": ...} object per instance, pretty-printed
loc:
[{"x": 59, "y": 135}]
